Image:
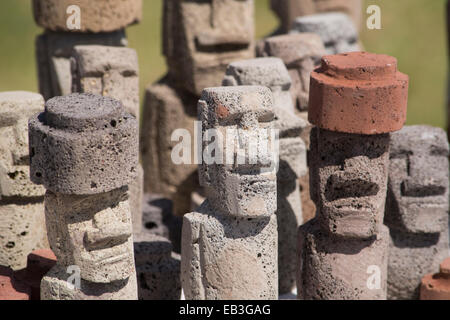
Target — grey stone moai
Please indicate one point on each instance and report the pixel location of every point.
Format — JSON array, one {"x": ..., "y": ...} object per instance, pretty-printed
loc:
[
  {"x": 272, "y": 73},
  {"x": 229, "y": 245},
  {"x": 356, "y": 100},
  {"x": 336, "y": 30},
  {"x": 84, "y": 150},
  {"x": 417, "y": 208},
  {"x": 199, "y": 40},
  {"x": 100, "y": 22},
  {"x": 22, "y": 220}
]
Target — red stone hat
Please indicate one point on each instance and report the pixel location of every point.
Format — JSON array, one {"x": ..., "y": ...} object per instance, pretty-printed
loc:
[{"x": 358, "y": 92}]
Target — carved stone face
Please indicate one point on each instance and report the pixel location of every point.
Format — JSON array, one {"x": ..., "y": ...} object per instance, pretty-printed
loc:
[
  {"x": 288, "y": 10},
  {"x": 15, "y": 109},
  {"x": 94, "y": 233},
  {"x": 418, "y": 180},
  {"x": 348, "y": 175},
  {"x": 201, "y": 37},
  {"x": 241, "y": 115}
]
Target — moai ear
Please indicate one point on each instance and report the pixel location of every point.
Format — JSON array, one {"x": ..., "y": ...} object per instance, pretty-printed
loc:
[{"x": 202, "y": 112}]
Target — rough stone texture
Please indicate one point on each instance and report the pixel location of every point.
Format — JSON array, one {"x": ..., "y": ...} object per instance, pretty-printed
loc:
[
  {"x": 437, "y": 286},
  {"x": 229, "y": 245},
  {"x": 288, "y": 10},
  {"x": 202, "y": 38},
  {"x": 359, "y": 92},
  {"x": 165, "y": 110},
  {"x": 157, "y": 268},
  {"x": 157, "y": 218},
  {"x": 332, "y": 268},
  {"x": 272, "y": 73},
  {"x": 10, "y": 288},
  {"x": 95, "y": 16},
  {"x": 83, "y": 144},
  {"x": 108, "y": 71},
  {"x": 88, "y": 225},
  {"x": 53, "y": 52},
  {"x": 22, "y": 224},
  {"x": 54, "y": 286},
  {"x": 348, "y": 181},
  {"x": 112, "y": 72},
  {"x": 301, "y": 53},
  {"x": 39, "y": 262},
  {"x": 336, "y": 30},
  {"x": 417, "y": 207}
]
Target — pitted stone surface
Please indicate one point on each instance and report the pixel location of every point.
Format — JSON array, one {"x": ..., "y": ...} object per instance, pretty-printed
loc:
[
  {"x": 417, "y": 207},
  {"x": 201, "y": 39},
  {"x": 360, "y": 92},
  {"x": 301, "y": 53},
  {"x": 437, "y": 286},
  {"x": 53, "y": 52},
  {"x": 229, "y": 244},
  {"x": 54, "y": 287},
  {"x": 157, "y": 268},
  {"x": 83, "y": 144},
  {"x": 336, "y": 30},
  {"x": 224, "y": 258},
  {"x": 95, "y": 16},
  {"x": 332, "y": 269},
  {"x": 288, "y": 10},
  {"x": 22, "y": 224},
  {"x": 108, "y": 71}
]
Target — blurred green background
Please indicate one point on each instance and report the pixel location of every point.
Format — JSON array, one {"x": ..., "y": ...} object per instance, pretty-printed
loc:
[{"x": 414, "y": 31}]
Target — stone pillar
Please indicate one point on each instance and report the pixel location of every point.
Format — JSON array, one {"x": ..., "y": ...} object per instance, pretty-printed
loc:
[
  {"x": 199, "y": 40},
  {"x": 102, "y": 22},
  {"x": 437, "y": 286},
  {"x": 336, "y": 30},
  {"x": 356, "y": 100},
  {"x": 229, "y": 245},
  {"x": 22, "y": 220},
  {"x": 288, "y": 10},
  {"x": 417, "y": 207},
  {"x": 84, "y": 150},
  {"x": 272, "y": 73},
  {"x": 301, "y": 53}
]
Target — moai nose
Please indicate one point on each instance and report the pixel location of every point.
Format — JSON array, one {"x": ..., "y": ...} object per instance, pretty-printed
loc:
[
  {"x": 418, "y": 184},
  {"x": 111, "y": 228}
]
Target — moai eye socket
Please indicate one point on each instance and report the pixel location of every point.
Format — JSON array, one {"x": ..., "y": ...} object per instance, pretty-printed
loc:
[{"x": 439, "y": 151}]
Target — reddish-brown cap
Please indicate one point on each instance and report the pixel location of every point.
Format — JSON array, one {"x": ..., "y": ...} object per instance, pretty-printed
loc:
[
  {"x": 358, "y": 92},
  {"x": 445, "y": 267}
]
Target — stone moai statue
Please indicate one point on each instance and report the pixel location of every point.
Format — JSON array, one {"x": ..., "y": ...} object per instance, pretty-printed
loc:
[
  {"x": 356, "y": 100},
  {"x": 199, "y": 40},
  {"x": 336, "y": 30},
  {"x": 229, "y": 245},
  {"x": 84, "y": 150},
  {"x": 22, "y": 220},
  {"x": 69, "y": 23},
  {"x": 288, "y": 10},
  {"x": 272, "y": 73},
  {"x": 301, "y": 53},
  {"x": 417, "y": 207}
]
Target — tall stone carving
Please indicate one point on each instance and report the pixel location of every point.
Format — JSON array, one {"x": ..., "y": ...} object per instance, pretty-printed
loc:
[
  {"x": 101, "y": 22},
  {"x": 84, "y": 150},
  {"x": 200, "y": 39},
  {"x": 301, "y": 53},
  {"x": 288, "y": 10},
  {"x": 417, "y": 208},
  {"x": 229, "y": 245},
  {"x": 272, "y": 73},
  {"x": 356, "y": 99},
  {"x": 22, "y": 220},
  {"x": 336, "y": 30}
]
